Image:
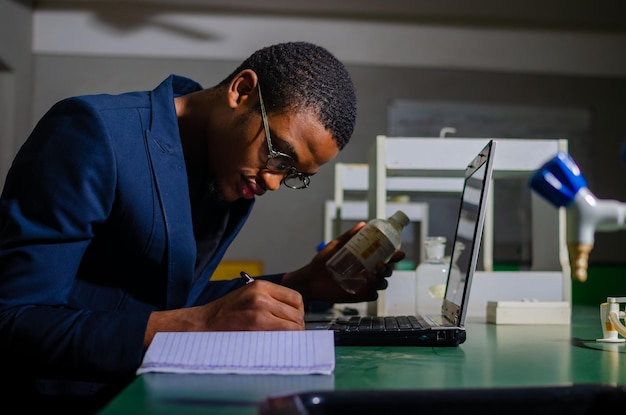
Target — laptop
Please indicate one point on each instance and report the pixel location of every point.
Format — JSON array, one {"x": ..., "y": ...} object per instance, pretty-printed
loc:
[{"x": 448, "y": 327}]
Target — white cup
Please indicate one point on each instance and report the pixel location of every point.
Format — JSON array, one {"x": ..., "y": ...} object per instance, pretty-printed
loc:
[{"x": 609, "y": 332}]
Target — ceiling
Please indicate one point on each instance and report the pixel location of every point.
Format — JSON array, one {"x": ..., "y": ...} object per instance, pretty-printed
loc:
[{"x": 606, "y": 16}]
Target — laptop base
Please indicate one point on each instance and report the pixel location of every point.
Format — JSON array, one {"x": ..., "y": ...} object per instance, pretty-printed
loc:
[{"x": 348, "y": 333}]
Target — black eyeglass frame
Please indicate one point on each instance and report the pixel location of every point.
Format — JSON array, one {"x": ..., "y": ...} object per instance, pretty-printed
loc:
[{"x": 278, "y": 162}]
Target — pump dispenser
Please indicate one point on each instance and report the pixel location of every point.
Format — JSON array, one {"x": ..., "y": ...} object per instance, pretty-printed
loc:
[{"x": 376, "y": 242}]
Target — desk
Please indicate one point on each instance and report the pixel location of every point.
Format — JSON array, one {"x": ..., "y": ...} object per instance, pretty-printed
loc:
[{"x": 492, "y": 356}]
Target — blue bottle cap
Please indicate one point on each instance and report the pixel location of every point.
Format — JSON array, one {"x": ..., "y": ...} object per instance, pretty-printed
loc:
[
  {"x": 320, "y": 246},
  {"x": 558, "y": 180}
]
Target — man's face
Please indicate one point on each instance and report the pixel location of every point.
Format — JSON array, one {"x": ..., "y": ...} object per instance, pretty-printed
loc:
[{"x": 238, "y": 163}]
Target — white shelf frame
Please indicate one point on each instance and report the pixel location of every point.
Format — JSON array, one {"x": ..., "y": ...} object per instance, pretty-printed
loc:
[
  {"x": 427, "y": 164},
  {"x": 353, "y": 179}
]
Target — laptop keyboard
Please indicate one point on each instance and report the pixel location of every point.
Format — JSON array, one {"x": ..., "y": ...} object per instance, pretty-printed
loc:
[{"x": 378, "y": 323}]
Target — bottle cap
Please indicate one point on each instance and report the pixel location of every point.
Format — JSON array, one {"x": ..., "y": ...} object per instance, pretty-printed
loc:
[
  {"x": 435, "y": 246},
  {"x": 401, "y": 218},
  {"x": 558, "y": 180}
]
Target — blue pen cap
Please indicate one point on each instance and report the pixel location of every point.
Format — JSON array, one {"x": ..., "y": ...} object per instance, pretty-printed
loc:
[{"x": 558, "y": 180}]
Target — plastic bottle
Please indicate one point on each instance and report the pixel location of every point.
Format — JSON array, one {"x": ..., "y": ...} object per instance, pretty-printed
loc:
[{"x": 376, "y": 242}]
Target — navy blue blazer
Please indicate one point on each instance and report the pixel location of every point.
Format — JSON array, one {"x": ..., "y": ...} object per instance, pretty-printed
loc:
[{"x": 96, "y": 233}]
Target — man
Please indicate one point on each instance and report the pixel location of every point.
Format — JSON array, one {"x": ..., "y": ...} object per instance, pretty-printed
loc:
[{"x": 117, "y": 210}]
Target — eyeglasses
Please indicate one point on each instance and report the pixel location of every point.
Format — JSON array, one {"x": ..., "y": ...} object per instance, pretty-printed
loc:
[{"x": 278, "y": 162}]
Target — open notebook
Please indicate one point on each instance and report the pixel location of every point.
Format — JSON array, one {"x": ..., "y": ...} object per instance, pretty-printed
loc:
[{"x": 447, "y": 328}]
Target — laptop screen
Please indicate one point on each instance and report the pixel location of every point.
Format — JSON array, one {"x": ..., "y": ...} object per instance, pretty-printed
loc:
[{"x": 468, "y": 234}]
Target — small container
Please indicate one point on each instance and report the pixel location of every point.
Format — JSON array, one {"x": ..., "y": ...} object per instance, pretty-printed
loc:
[
  {"x": 376, "y": 242},
  {"x": 431, "y": 276}
]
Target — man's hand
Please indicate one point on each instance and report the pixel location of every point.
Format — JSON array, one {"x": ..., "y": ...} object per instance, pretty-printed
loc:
[
  {"x": 316, "y": 282},
  {"x": 261, "y": 305}
]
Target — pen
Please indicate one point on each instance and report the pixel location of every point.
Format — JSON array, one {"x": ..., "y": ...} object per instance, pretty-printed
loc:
[{"x": 247, "y": 278}]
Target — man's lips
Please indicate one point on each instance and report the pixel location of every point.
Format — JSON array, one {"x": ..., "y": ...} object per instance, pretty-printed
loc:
[{"x": 251, "y": 189}]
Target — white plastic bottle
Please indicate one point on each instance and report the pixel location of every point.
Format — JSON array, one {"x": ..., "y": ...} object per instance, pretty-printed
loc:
[{"x": 376, "y": 242}]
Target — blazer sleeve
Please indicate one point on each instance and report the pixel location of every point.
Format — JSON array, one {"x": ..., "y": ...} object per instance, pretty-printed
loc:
[{"x": 59, "y": 188}]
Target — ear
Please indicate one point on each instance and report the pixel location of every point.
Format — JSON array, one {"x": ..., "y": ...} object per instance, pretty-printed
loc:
[{"x": 242, "y": 87}]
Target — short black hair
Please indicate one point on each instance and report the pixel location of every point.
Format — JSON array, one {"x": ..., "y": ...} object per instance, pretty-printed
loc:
[{"x": 297, "y": 75}]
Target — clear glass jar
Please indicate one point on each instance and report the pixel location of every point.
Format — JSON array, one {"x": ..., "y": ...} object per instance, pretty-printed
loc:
[{"x": 431, "y": 276}]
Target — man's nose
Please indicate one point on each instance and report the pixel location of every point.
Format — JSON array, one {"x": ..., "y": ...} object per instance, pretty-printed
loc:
[{"x": 273, "y": 180}]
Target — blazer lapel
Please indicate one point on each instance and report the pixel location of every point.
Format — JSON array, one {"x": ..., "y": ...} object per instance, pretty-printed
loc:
[{"x": 168, "y": 164}]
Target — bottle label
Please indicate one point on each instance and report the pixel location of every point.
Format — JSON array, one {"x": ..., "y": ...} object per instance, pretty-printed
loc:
[{"x": 371, "y": 246}]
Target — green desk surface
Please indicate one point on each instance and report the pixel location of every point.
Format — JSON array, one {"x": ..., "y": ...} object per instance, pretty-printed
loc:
[{"x": 492, "y": 356}]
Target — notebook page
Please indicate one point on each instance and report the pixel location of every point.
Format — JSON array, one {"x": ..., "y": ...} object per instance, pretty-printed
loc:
[{"x": 243, "y": 352}]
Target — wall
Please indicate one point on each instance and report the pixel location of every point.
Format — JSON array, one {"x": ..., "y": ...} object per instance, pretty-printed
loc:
[
  {"x": 15, "y": 79},
  {"x": 115, "y": 50}
]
